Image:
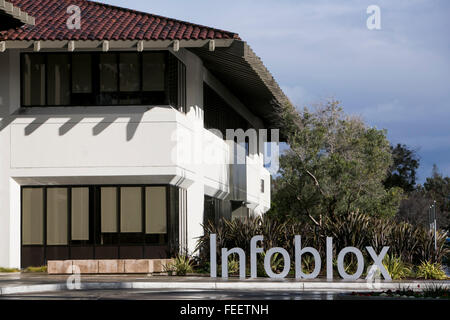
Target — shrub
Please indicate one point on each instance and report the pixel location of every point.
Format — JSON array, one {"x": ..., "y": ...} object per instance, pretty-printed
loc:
[
  {"x": 233, "y": 266},
  {"x": 42, "y": 269},
  {"x": 429, "y": 270},
  {"x": 181, "y": 266},
  {"x": 308, "y": 263},
  {"x": 411, "y": 244},
  {"x": 8, "y": 270},
  {"x": 276, "y": 262},
  {"x": 396, "y": 268}
]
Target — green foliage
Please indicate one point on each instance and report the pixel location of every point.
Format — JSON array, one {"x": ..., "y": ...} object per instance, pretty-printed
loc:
[
  {"x": 308, "y": 263},
  {"x": 181, "y": 266},
  {"x": 335, "y": 165},
  {"x": 233, "y": 265},
  {"x": 42, "y": 269},
  {"x": 396, "y": 267},
  {"x": 429, "y": 270},
  {"x": 437, "y": 187},
  {"x": 411, "y": 244},
  {"x": 402, "y": 172},
  {"x": 8, "y": 270},
  {"x": 276, "y": 262}
]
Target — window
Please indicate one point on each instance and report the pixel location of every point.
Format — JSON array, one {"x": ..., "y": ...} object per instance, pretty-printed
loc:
[
  {"x": 33, "y": 80},
  {"x": 80, "y": 214},
  {"x": 88, "y": 79},
  {"x": 262, "y": 186},
  {"x": 33, "y": 216},
  {"x": 154, "y": 78},
  {"x": 99, "y": 222},
  {"x": 155, "y": 210},
  {"x": 130, "y": 209},
  {"x": 58, "y": 80},
  {"x": 154, "y": 68},
  {"x": 57, "y": 216},
  {"x": 130, "y": 78},
  {"x": 108, "y": 210},
  {"x": 82, "y": 73},
  {"x": 108, "y": 79}
]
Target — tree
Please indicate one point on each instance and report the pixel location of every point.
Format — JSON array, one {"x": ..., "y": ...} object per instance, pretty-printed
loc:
[
  {"x": 437, "y": 188},
  {"x": 335, "y": 165},
  {"x": 402, "y": 172},
  {"x": 414, "y": 209}
]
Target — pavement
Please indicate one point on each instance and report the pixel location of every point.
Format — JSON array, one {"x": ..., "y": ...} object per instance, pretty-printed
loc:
[{"x": 17, "y": 285}]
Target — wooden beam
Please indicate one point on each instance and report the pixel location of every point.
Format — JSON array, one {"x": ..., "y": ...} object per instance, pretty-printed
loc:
[
  {"x": 96, "y": 45},
  {"x": 176, "y": 45},
  {"x": 8, "y": 7},
  {"x": 140, "y": 46},
  {"x": 37, "y": 46},
  {"x": 105, "y": 46},
  {"x": 2, "y": 46},
  {"x": 31, "y": 20},
  {"x": 16, "y": 12},
  {"x": 71, "y": 46},
  {"x": 212, "y": 45}
]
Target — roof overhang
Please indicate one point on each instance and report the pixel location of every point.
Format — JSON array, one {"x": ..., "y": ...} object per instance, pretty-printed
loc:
[
  {"x": 231, "y": 61},
  {"x": 245, "y": 75},
  {"x": 8, "y": 9},
  {"x": 106, "y": 45}
]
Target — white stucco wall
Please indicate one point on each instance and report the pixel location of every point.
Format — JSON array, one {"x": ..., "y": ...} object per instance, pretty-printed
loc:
[{"x": 109, "y": 145}]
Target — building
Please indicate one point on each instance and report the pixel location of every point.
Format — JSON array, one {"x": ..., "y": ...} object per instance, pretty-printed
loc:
[{"x": 104, "y": 112}]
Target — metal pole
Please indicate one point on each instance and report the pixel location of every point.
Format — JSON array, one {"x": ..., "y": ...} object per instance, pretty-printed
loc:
[{"x": 435, "y": 240}]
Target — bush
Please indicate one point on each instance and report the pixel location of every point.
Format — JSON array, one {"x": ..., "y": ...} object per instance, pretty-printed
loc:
[
  {"x": 396, "y": 268},
  {"x": 410, "y": 244},
  {"x": 42, "y": 269},
  {"x": 429, "y": 270},
  {"x": 233, "y": 266},
  {"x": 8, "y": 270},
  {"x": 181, "y": 266}
]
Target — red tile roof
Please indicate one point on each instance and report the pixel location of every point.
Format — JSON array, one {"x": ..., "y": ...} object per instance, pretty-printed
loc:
[{"x": 104, "y": 22}]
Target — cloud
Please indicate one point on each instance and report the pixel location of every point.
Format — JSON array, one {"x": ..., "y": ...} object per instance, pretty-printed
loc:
[{"x": 397, "y": 78}]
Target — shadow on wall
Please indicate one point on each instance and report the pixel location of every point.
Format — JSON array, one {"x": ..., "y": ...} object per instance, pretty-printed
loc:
[{"x": 135, "y": 118}]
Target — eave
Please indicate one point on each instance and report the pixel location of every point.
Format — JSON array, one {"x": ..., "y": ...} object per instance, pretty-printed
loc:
[{"x": 16, "y": 13}]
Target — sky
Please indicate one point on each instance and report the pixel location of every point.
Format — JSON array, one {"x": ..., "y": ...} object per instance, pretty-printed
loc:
[{"x": 396, "y": 78}]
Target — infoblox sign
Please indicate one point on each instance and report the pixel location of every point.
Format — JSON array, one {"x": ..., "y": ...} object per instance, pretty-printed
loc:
[{"x": 299, "y": 252}]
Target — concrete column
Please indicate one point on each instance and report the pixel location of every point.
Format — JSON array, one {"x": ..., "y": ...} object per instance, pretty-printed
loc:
[
  {"x": 195, "y": 207},
  {"x": 5, "y": 249}
]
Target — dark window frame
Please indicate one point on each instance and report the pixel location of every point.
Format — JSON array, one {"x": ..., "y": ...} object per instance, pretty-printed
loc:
[
  {"x": 145, "y": 240},
  {"x": 177, "y": 101}
]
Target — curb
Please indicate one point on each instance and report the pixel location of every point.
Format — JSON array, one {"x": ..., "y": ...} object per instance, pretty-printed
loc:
[{"x": 261, "y": 286}]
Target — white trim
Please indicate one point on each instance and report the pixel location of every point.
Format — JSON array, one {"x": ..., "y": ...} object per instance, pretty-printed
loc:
[
  {"x": 212, "y": 45},
  {"x": 37, "y": 46},
  {"x": 176, "y": 45},
  {"x": 140, "y": 46},
  {"x": 105, "y": 46},
  {"x": 119, "y": 44},
  {"x": 71, "y": 46}
]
